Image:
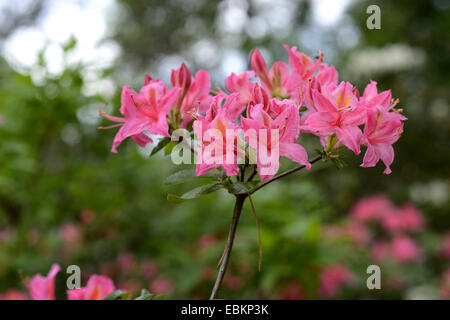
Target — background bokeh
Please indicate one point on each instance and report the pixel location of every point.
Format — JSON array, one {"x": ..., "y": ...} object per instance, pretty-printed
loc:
[{"x": 64, "y": 198}]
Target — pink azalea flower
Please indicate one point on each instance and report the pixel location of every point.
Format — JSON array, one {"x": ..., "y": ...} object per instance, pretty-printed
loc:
[
  {"x": 197, "y": 97},
  {"x": 259, "y": 127},
  {"x": 325, "y": 81},
  {"x": 14, "y": 294},
  {"x": 339, "y": 114},
  {"x": 144, "y": 111},
  {"x": 212, "y": 133},
  {"x": 241, "y": 84},
  {"x": 272, "y": 106},
  {"x": 97, "y": 288},
  {"x": 303, "y": 68},
  {"x": 181, "y": 78},
  {"x": 332, "y": 279},
  {"x": 327, "y": 76},
  {"x": 43, "y": 288},
  {"x": 382, "y": 129},
  {"x": 261, "y": 96},
  {"x": 372, "y": 98},
  {"x": 276, "y": 80}
]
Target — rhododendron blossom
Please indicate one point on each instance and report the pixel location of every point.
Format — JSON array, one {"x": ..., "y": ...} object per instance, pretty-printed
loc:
[
  {"x": 287, "y": 130},
  {"x": 239, "y": 132},
  {"x": 334, "y": 112},
  {"x": 43, "y": 288},
  {"x": 97, "y": 288}
]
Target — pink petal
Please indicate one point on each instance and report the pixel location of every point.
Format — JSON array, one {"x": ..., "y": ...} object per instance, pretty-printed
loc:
[
  {"x": 259, "y": 66},
  {"x": 321, "y": 103},
  {"x": 296, "y": 153},
  {"x": 43, "y": 288},
  {"x": 350, "y": 136}
]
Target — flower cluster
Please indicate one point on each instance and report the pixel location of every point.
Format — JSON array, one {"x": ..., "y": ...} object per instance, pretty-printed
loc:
[
  {"x": 271, "y": 106},
  {"x": 43, "y": 288},
  {"x": 397, "y": 223}
]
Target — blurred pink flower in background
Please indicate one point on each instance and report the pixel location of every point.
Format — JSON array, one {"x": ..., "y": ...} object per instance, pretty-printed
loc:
[
  {"x": 208, "y": 274},
  {"x": 404, "y": 249},
  {"x": 401, "y": 249},
  {"x": 332, "y": 278},
  {"x": 405, "y": 218},
  {"x": 207, "y": 241},
  {"x": 97, "y": 288},
  {"x": 14, "y": 294},
  {"x": 233, "y": 282},
  {"x": 351, "y": 230},
  {"x": 43, "y": 288},
  {"x": 444, "y": 290},
  {"x": 445, "y": 246},
  {"x": 293, "y": 291},
  {"x": 161, "y": 285},
  {"x": 71, "y": 236},
  {"x": 70, "y": 233},
  {"x": 371, "y": 208},
  {"x": 380, "y": 251},
  {"x": 126, "y": 262},
  {"x": 149, "y": 269},
  {"x": 7, "y": 234}
]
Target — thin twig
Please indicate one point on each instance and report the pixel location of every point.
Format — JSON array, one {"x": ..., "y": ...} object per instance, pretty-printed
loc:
[
  {"x": 240, "y": 199},
  {"x": 252, "y": 191}
]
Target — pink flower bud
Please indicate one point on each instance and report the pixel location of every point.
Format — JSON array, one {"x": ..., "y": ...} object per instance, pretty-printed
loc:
[{"x": 181, "y": 78}]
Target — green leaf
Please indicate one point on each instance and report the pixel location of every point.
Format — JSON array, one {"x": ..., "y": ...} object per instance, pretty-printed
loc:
[
  {"x": 181, "y": 176},
  {"x": 195, "y": 193},
  {"x": 145, "y": 295},
  {"x": 241, "y": 187},
  {"x": 169, "y": 147},
  {"x": 190, "y": 174},
  {"x": 116, "y": 295},
  {"x": 161, "y": 144}
]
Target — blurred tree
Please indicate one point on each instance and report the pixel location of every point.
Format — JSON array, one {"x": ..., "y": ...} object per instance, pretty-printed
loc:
[
  {"x": 14, "y": 16},
  {"x": 202, "y": 32}
]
